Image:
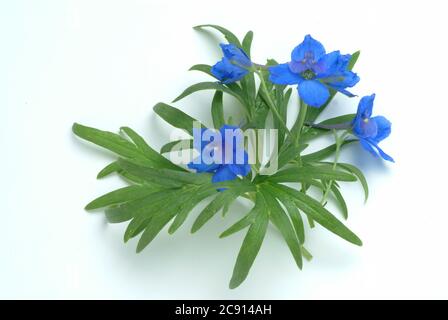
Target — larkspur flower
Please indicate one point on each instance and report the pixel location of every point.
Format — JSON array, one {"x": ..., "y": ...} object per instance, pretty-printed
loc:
[
  {"x": 222, "y": 153},
  {"x": 315, "y": 71},
  {"x": 233, "y": 66},
  {"x": 371, "y": 130}
]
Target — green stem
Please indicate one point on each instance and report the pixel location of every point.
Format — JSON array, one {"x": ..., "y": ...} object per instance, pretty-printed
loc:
[
  {"x": 271, "y": 103},
  {"x": 298, "y": 126},
  {"x": 339, "y": 140},
  {"x": 301, "y": 119}
]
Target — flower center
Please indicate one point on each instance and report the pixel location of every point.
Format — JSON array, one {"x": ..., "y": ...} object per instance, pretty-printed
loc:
[{"x": 308, "y": 74}]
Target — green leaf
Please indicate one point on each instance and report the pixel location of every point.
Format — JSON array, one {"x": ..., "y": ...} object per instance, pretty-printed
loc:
[
  {"x": 209, "y": 86},
  {"x": 151, "y": 210},
  {"x": 205, "y": 68},
  {"x": 120, "y": 195},
  {"x": 319, "y": 214},
  {"x": 249, "y": 90},
  {"x": 163, "y": 177},
  {"x": 156, "y": 158},
  {"x": 135, "y": 227},
  {"x": 281, "y": 221},
  {"x": 353, "y": 59},
  {"x": 294, "y": 214},
  {"x": 116, "y": 215},
  {"x": 189, "y": 205},
  {"x": 299, "y": 174},
  {"x": 289, "y": 153},
  {"x": 312, "y": 132},
  {"x": 178, "y": 145},
  {"x": 157, "y": 223},
  {"x": 362, "y": 179},
  {"x": 230, "y": 37},
  {"x": 244, "y": 222},
  {"x": 175, "y": 117},
  {"x": 143, "y": 209},
  {"x": 340, "y": 201},
  {"x": 250, "y": 247},
  {"x": 325, "y": 152},
  {"x": 107, "y": 170},
  {"x": 247, "y": 42},
  {"x": 107, "y": 140},
  {"x": 218, "y": 110},
  {"x": 223, "y": 198}
]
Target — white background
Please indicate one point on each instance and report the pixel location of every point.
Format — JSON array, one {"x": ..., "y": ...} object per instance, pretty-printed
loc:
[{"x": 106, "y": 63}]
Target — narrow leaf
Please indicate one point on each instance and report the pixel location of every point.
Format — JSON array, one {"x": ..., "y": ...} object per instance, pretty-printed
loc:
[
  {"x": 225, "y": 197},
  {"x": 156, "y": 158},
  {"x": 294, "y": 214},
  {"x": 281, "y": 221},
  {"x": 247, "y": 42},
  {"x": 250, "y": 248},
  {"x": 244, "y": 222},
  {"x": 209, "y": 86},
  {"x": 175, "y": 117},
  {"x": 107, "y": 170},
  {"x": 178, "y": 145},
  {"x": 189, "y": 205},
  {"x": 120, "y": 195},
  {"x": 325, "y": 152},
  {"x": 230, "y": 37},
  {"x": 108, "y": 140},
  {"x": 298, "y": 174},
  {"x": 360, "y": 175},
  {"x": 217, "y": 110},
  {"x": 340, "y": 201},
  {"x": 319, "y": 214},
  {"x": 164, "y": 177}
]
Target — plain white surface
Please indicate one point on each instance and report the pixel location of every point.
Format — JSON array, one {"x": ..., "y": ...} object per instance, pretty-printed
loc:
[{"x": 106, "y": 63}]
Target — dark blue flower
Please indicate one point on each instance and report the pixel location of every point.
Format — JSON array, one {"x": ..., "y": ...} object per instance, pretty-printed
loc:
[
  {"x": 371, "y": 130},
  {"x": 315, "y": 71},
  {"x": 233, "y": 66},
  {"x": 222, "y": 153}
]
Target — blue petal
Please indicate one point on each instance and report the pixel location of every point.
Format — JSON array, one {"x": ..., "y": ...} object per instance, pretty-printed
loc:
[
  {"x": 201, "y": 166},
  {"x": 340, "y": 81},
  {"x": 235, "y": 54},
  {"x": 223, "y": 174},
  {"x": 313, "y": 93},
  {"x": 308, "y": 46},
  {"x": 345, "y": 92},
  {"x": 367, "y": 146},
  {"x": 343, "y": 62},
  {"x": 327, "y": 65},
  {"x": 384, "y": 155},
  {"x": 384, "y": 128},
  {"x": 298, "y": 66},
  {"x": 240, "y": 169},
  {"x": 227, "y": 72},
  {"x": 281, "y": 74},
  {"x": 365, "y": 128},
  {"x": 365, "y": 107},
  {"x": 371, "y": 145}
]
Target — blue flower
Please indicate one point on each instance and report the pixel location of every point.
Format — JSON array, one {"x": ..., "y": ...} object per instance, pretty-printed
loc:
[
  {"x": 315, "y": 71},
  {"x": 233, "y": 66},
  {"x": 371, "y": 130},
  {"x": 222, "y": 153}
]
